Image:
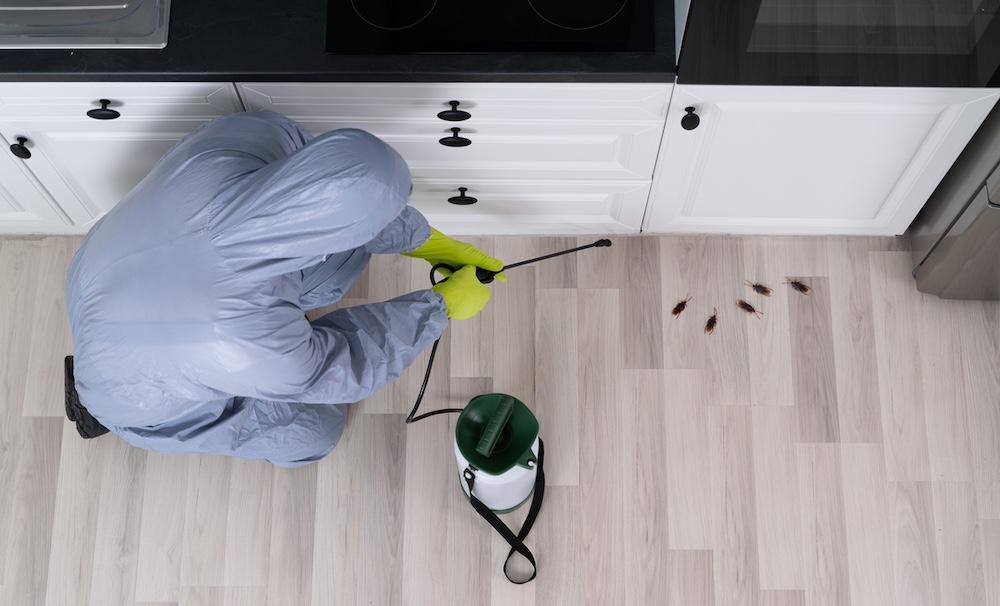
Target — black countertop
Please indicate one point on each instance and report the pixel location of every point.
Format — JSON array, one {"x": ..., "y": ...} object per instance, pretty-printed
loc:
[{"x": 285, "y": 40}]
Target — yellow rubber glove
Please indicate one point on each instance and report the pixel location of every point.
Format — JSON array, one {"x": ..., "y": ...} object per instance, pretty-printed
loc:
[
  {"x": 439, "y": 248},
  {"x": 464, "y": 295}
]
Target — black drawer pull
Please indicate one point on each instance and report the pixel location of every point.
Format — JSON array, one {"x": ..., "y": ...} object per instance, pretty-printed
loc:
[
  {"x": 104, "y": 112},
  {"x": 454, "y": 140},
  {"x": 690, "y": 121},
  {"x": 19, "y": 150},
  {"x": 454, "y": 114},
  {"x": 461, "y": 199}
]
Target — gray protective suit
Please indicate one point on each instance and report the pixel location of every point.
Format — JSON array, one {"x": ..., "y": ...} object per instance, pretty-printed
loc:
[{"x": 187, "y": 300}]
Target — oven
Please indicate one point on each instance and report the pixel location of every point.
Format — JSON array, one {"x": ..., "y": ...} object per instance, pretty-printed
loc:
[{"x": 916, "y": 43}]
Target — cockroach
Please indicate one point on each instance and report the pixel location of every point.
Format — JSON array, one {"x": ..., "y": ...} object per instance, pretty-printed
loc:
[
  {"x": 759, "y": 288},
  {"x": 712, "y": 321},
  {"x": 750, "y": 309},
  {"x": 681, "y": 306},
  {"x": 798, "y": 286}
]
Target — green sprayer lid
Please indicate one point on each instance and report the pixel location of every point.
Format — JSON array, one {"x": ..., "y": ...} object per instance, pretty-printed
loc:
[{"x": 495, "y": 432}]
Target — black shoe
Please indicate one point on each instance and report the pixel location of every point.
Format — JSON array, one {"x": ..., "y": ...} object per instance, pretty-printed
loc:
[{"x": 86, "y": 425}]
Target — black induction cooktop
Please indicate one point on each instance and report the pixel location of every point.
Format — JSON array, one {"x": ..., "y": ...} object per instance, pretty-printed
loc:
[{"x": 489, "y": 26}]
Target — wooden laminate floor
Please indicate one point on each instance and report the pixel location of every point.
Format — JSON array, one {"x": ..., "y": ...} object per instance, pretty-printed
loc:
[{"x": 844, "y": 449}]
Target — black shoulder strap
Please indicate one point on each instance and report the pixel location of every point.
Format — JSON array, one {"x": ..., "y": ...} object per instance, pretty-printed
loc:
[{"x": 516, "y": 542}]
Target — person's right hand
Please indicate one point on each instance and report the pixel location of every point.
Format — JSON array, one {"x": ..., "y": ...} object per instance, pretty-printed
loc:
[
  {"x": 464, "y": 295},
  {"x": 439, "y": 248}
]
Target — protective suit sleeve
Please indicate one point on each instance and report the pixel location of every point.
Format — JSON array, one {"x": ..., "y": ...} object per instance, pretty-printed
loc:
[
  {"x": 351, "y": 352},
  {"x": 407, "y": 231}
]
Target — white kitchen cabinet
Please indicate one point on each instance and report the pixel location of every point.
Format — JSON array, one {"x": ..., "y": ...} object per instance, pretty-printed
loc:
[
  {"x": 550, "y": 158},
  {"x": 86, "y": 166},
  {"x": 533, "y": 207},
  {"x": 544, "y": 158},
  {"x": 807, "y": 160},
  {"x": 25, "y": 206}
]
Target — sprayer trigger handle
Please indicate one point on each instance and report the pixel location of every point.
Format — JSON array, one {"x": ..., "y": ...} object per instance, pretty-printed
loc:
[
  {"x": 445, "y": 269},
  {"x": 494, "y": 427},
  {"x": 485, "y": 276}
]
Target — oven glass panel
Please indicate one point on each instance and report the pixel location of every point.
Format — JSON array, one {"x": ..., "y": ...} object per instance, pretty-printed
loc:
[
  {"x": 873, "y": 26},
  {"x": 843, "y": 42}
]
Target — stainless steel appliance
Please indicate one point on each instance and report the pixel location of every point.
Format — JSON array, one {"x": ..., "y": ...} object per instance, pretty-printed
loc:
[
  {"x": 956, "y": 237},
  {"x": 842, "y": 43},
  {"x": 84, "y": 23}
]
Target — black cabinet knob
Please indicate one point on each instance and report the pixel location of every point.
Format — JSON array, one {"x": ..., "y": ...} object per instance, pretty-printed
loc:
[
  {"x": 461, "y": 199},
  {"x": 454, "y": 140},
  {"x": 690, "y": 121},
  {"x": 19, "y": 150},
  {"x": 454, "y": 114},
  {"x": 104, "y": 112}
]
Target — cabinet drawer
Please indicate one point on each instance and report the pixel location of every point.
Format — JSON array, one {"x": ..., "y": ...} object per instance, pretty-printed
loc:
[
  {"x": 518, "y": 150},
  {"x": 156, "y": 100},
  {"x": 502, "y": 102},
  {"x": 533, "y": 207}
]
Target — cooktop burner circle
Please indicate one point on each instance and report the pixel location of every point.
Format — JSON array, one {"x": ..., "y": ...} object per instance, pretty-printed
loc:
[
  {"x": 394, "y": 16},
  {"x": 577, "y": 16}
]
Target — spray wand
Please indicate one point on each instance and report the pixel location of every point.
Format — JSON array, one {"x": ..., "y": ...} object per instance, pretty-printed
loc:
[{"x": 485, "y": 276}]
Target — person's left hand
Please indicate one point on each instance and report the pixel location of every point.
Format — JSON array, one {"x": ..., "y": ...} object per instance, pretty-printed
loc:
[{"x": 439, "y": 248}]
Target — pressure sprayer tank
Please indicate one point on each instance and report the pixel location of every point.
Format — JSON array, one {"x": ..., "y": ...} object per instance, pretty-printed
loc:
[{"x": 496, "y": 438}]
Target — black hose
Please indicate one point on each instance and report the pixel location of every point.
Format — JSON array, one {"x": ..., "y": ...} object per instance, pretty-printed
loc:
[
  {"x": 413, "y": 417},
  {"x": 410, "y": 418}
]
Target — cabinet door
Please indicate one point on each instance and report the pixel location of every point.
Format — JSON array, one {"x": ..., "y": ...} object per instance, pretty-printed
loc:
[
  {"x": 25, "y": 206},
  {"x": 89, "y": 167},
  {"x": 807, "y": 160}
]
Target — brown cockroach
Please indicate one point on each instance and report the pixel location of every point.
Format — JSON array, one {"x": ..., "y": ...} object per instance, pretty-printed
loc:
[
  {"x": 750, "y": 309},
  {"x": 798, "y": 286},
  {"x": 712, "y": 321},
  {"x": 681, "y": 306},
  {"x": 759, "y": 288}
]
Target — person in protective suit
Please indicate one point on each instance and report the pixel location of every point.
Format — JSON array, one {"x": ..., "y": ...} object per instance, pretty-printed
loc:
[{"x": 187, "y": 301}]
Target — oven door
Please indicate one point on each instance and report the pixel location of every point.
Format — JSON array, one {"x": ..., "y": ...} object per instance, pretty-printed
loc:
[{"x": 842, "y": 43}]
